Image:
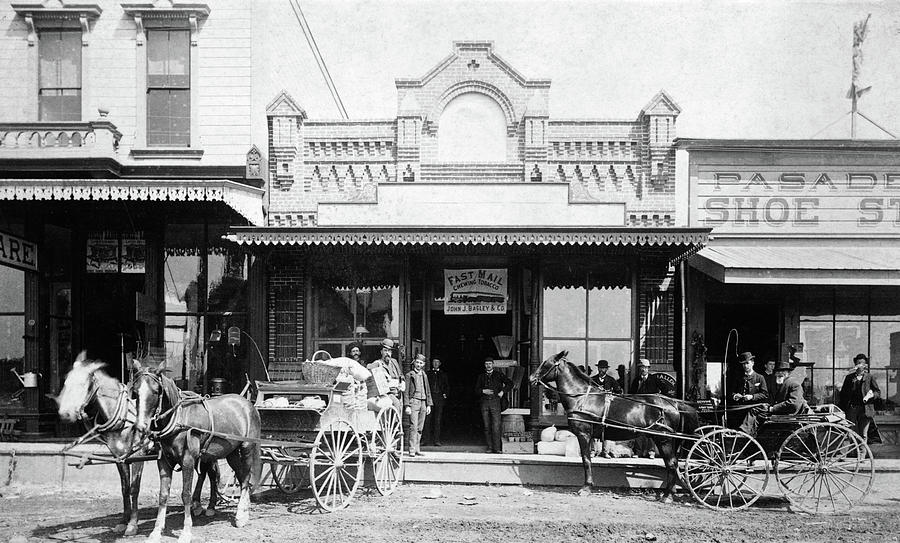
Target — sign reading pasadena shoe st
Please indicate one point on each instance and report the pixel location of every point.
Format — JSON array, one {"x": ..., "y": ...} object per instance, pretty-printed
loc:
[
  {"x": 18, "y": 252},
  {"x": 800, "y": 199},
  {"x": 475, "y": 291}
]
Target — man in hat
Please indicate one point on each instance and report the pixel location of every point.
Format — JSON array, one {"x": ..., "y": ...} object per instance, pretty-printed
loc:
[
  {"x": 604, "y": 380},
  {"x": 858, "y": 395},
  {"x": 392, "y": 368},
  {"x": 747, "y": 396},
  {"x": 786, "y": 394},
  {"x": 440, "y": 390},
  {"x": 417, "y": 403},
  {"x": 645, "y": 383},
  {"x": 490, "y": 387}
]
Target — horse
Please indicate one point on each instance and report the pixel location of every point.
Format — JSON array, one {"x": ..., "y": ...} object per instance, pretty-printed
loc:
[
  {"x": 192, "y": 429},
  {"x": 590, "y": 410},
  {"x": 89, "y": 393}
]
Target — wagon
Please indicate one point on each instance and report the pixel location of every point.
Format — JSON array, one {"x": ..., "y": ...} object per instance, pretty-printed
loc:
[
  {"x": 319, "y": 436},
  {"x": 820, "y": 463}
]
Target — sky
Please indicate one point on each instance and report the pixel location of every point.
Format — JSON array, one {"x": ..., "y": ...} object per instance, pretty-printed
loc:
[{"x": 737, "y": 69}]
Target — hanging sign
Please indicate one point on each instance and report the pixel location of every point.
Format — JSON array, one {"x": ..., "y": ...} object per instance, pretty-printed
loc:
[
  {"x": 18, "y": 253},
  {"x": 102, "y": 256},
  {"x": 475, "y": 291}
]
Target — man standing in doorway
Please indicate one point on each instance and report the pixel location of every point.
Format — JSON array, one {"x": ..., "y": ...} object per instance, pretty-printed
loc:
[
  {"x": 858, "y": 395},
  {"x": 440, "y": 390},
  {"x": 491, "y": 386},
  {"x": 417, "y": 403},
  {"x": 769, "y": 376}
]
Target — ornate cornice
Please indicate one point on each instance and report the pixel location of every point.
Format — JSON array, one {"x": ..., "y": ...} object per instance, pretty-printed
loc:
[
  {"x": 192, "y": 12},
  {"x": 245, "y": 200},
  {"x": 35, "y": 12},
  {"x": 470, "y": 236}
]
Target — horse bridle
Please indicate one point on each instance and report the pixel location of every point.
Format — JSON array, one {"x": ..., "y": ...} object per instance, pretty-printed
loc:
[{"x": 540, "y": 378}]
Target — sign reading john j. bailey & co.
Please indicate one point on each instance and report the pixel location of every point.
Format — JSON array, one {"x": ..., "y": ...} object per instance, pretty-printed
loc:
[
  {"x": 475, "y": 291},
  {"x": 810, "y": 200},
  {"x": 18, "y": 253}
]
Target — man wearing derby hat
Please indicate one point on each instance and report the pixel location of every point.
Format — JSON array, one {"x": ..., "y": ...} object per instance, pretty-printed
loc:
[
  {"x": 786, "y": 395},
  {"x": 392, "y": 368},
  {"x": 747, "y": 396},
  {"x": 604, "y": 380},
  {"x": 858, "y": 395}
]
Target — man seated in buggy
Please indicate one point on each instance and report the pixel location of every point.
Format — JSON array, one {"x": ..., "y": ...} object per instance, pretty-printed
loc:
[
  {"x": 786, "y": 396},
  {"x": 747, "y": 397}
]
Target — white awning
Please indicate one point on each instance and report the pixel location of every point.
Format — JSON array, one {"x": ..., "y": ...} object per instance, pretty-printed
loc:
[{"x": 829, "y": 262}]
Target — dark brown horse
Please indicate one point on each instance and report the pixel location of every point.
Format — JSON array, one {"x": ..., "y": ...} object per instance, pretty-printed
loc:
[
  {"x": 594, "y": 412},
  {"x": 190, "y": 430}
]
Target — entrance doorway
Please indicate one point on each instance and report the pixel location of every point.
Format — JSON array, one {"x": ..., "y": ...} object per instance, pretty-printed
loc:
[
  {"x": 109, "y": 318},
  {"x": 462, "y": 342},
  {"x": 757, "y": 326}
]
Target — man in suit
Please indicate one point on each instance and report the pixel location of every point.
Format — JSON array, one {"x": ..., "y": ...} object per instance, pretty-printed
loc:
[
  {"x": 746, "y": 392},
  {"x": 769, "y": 375},
  {"x": 858, "y": 395},
  {"x": 786, "y": 395},
  {"x": 392, "y": 369},
  {"x": 440, "y": 390},
  {"x": 645, "y": 383},
  {"x": 603, "y": 379},
  {"x": 490, "y": 387},
  {"x": 417, "y": 403}
]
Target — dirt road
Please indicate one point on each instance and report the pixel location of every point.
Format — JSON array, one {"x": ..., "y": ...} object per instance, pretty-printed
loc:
[{"x": 478, "y": 514}]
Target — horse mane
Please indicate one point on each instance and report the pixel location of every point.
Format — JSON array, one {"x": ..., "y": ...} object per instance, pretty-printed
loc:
[{"x": 579, "y": 372}]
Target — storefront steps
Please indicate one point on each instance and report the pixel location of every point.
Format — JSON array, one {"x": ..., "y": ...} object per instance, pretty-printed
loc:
[{"x": 42, "y": 465}]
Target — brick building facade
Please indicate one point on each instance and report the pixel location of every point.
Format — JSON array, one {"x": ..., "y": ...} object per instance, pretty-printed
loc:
[{"x": 368, "y": 221}]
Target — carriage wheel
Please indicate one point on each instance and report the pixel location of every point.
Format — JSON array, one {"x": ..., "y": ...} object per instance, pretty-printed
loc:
[
  {"x": 707, "y": 428},
  {"x": 824, "y": 468},
  {"x": 726, "y": 470},
  {"x": 335, "y": 465},
  {"x": 289, "y": 478},
  {"x": 388, "y": 460}
]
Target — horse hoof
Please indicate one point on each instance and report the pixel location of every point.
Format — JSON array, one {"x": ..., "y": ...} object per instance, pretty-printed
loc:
[
  {"x": 209, "y": 512},
  {"x": 154, "y": 537},
  {"x": 185, "y": 537},
  {"x": 120, "y": 528},
  {"x": 584, "y": 491},
  {"x": 131, "y": 529},
  {"x": 667, "y": 498},
  {"x": 241, "y": 520},
  {"x": 196, "y": 510}
]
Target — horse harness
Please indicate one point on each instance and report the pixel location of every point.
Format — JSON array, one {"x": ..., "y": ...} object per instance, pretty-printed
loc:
[
  {"x": 178, "y": 399},
  {"x": 115, "y": 422}
]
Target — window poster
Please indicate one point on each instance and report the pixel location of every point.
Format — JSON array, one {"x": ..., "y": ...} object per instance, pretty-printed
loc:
[
  {"x": 102, "y": 255},
  {"x": 133, "y": 256},
  {"x": 476, "y": 291}
]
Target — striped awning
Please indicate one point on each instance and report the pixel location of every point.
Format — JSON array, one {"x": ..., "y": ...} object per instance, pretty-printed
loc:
[
  {"x": 423, "y": 236},
  {"x": 243, "y": 199}
]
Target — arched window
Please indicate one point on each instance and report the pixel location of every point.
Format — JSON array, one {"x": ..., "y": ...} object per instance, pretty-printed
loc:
[{"x": 472, "y": 128}]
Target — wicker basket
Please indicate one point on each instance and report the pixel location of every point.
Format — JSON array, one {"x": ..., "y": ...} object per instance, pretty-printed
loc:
[{"x": 320, "y": 374}]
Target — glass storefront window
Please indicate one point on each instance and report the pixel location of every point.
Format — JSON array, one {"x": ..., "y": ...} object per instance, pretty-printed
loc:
[
  {"x": 610, "y": 312},
  {"x": 12, "y": 328},
  {"x": 564, "y": 311},
  {"x": 227, "y": 281},
  {"x": 850, "y": 339},
  {"x": 885, "y": 340}
]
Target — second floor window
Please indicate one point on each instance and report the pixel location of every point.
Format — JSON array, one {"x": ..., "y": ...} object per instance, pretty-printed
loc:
[
  {"x": 168, "y": 88},
  {"x": 59, "y": 89}
]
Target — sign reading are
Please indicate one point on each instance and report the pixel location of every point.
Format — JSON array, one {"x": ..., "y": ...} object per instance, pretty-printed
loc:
[
  {"x": 18, "y": 252},
  {"x": 833, "y": 201},
  {"x": 475, "y": 291}
]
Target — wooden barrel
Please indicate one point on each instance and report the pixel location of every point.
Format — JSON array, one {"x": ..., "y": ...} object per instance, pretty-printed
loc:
[{"x": 513, "y": 424}]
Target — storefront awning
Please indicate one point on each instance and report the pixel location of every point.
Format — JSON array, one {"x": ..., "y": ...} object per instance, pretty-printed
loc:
[
  {"x": 825, "y": 263},
  {"x": 421, "y": 236},
  {"x": 243, "y": 199}
]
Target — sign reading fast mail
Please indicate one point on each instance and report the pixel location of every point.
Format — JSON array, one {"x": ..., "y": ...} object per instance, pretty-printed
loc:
[
  {"x": 798, "y": 200},
  {"x": 18, "y": 252},
  {"x": 475, "y": 291}
]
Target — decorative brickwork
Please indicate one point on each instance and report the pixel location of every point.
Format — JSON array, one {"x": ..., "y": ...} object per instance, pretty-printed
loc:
[{"x": 628, "y": 162}]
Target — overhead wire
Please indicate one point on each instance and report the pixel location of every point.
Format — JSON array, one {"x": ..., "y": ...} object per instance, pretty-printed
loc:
[{"x": 314, "y": 47}]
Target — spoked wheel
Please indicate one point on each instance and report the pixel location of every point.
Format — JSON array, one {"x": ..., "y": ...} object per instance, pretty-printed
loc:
[
  {"x": 824, "y": 468},
  {"x": 289, "y": 478},
  {"x": 701, "y": 431},
  {"x": 335, "y": 465},
  {"x": 388, "y": 460},
  {"x": 726, "y": 470}
]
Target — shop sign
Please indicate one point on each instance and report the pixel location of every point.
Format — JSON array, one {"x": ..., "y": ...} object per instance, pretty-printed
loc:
[
  {"x": 475, "y": 291},
  {"x": 813, "y": 201},
  {"x": 18, "y": 253},
  {"x": 102, "y": 256}
]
